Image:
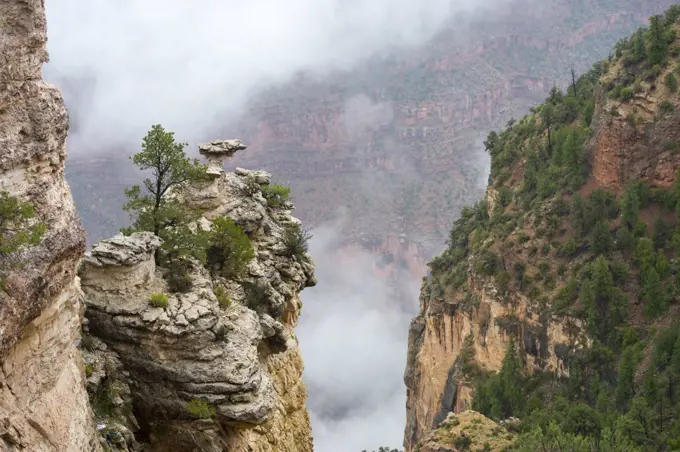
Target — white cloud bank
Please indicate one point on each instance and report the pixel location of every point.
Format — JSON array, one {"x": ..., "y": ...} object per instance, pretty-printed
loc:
[
  {"x": 127, "y": 64},
  {"x": 353, "y": 334}
]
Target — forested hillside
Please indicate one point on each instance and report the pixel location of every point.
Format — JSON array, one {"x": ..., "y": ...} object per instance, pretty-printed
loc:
[{"x": 571, "y": 264}]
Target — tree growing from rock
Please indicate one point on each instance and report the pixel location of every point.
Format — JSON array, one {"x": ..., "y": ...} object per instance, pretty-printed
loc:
[{"x": 155, "y": 206}]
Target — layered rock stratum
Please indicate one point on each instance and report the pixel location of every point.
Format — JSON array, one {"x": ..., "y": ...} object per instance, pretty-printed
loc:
[
  {"x": 240, "y": 356},
  {"x": 43, "y": 402}
]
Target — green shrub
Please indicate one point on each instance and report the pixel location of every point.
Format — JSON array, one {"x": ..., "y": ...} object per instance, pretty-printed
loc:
[
  {"x": 256, "y": 296},
  {"x": 89, "y": 369},
  {"x": 296, "y": 242},
  {"x": 568, "y": 249},
  {"x": 201, "y": 408},
  {"x": 627, "y": 94},
  {"x": 462, "y": 442},
  {"x": 666, "y": 107},
  {"x": 229, "y": 249},
  {"x": 671, "y": 146},
  {"x": 87, "y": 342},
  {"x": 251, "y": 186},
  {"x": 158, "y": 300},
  {"x": 671, "y": 82},
  {"x": 276, "y": 194},
  {"x": 17, "y": 230},
  {"x": 222, "y": 296}
]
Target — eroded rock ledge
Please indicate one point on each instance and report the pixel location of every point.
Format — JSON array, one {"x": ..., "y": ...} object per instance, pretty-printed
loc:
[{"x": 242, "y": 358}]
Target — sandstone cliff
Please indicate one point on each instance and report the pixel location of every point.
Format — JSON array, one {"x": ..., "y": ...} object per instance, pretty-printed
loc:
[
  {"x": 43, "y": 402},
  {"x": 557, "y": 211},
  {"x": 239, "y": 354}
]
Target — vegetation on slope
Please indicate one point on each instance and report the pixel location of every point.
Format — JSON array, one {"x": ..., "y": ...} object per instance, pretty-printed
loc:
[{"x": 610, "y": 259}]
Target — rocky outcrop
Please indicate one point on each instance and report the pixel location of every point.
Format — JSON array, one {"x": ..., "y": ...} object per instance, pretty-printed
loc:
[
  {"x": 239, "y": 353},
  {"x": 43, "y": 402},
  {"x": 636, "y": 139},
  {"x": 467, "y": 431}
]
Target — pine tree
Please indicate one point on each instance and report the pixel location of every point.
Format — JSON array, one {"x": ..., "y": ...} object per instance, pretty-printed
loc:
[
  {"x": 156, "y": 207},
  {"x": 547, "y": 116},
  {"x": 511, "y": 380},
  {"x": 630, "y": 205},
  {"x": 653, "y": 293},
  {"x": 579, "y": 215},
  {"x": 658, "y": 45},
  {"x": 602, "y": 241},
  {"x": 625, "y": 386},
  {"x": 639, "y": 50}
]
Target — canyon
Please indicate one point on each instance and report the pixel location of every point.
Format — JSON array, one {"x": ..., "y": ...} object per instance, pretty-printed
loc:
[{"x": 395, "y": 144}]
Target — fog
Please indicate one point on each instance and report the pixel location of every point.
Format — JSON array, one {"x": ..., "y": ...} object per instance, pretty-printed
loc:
[
  {"x": 126, "y": 64},
  {"x": 192, "y": 66},
  {"x": 353, "y": 335}
]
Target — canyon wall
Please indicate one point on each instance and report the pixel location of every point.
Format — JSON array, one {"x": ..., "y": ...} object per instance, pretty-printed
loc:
[
  {"x": 468, "y": 315},
  {"x": 43, "y": 402}
]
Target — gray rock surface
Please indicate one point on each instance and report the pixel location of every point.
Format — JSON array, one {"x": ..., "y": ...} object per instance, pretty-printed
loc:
[{"x": 194, "y": 348}]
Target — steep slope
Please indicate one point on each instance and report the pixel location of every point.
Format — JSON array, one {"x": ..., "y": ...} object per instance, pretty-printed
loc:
[
  {"x": 555, "y": 299},
  {"x": 43, "y": 402},
  {"x": 231, "y": 350}
]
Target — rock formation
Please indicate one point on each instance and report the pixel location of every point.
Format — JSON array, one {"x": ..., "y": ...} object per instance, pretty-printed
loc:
[
  {"x": 43, "y": 402},
  {"x": 239, "y": 354},
  {"x": 467, "y": 431}
]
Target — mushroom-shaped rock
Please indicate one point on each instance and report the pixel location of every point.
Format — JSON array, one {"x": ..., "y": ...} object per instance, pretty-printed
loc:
[{"x": 217, "y": 150}]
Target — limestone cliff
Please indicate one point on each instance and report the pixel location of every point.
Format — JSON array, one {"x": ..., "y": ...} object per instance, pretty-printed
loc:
[
  {"x": 43, "y": 402},
  {"x": 239, "y": 354}
]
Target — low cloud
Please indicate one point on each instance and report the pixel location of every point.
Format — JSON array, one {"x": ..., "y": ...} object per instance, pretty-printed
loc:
[
  {"x": 353, "y": 334},
  {"x": 124, "y": 65}
]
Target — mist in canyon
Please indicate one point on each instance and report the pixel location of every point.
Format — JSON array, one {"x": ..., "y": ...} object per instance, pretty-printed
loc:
[
  {"x": 125, "y": 65},
  {"x": 353, "y": 334}
]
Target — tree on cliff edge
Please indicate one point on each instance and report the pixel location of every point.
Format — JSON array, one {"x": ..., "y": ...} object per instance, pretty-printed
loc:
[{"x": 155, "y": 207}]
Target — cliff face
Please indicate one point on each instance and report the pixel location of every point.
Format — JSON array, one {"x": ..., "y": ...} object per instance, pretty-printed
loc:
[
  {"x": 641, "y": 148},
  {"x": 43, "y": 402},
  {"x": 583, "y": 199},
  {"x": 478, "y": 322},
  {"x": 241, "y": 356}
]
